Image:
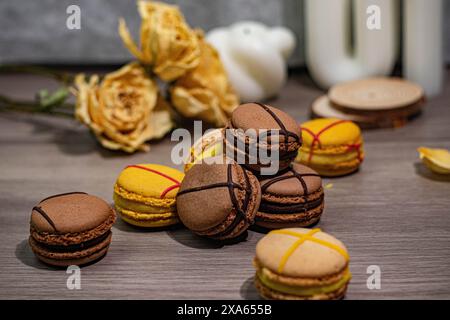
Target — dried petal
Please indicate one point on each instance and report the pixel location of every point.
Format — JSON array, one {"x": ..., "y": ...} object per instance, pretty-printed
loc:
[
  {"x": 205, "y": 92},
  {"x": 437, "y": 160},
  {"x": 166, "y": 41}
]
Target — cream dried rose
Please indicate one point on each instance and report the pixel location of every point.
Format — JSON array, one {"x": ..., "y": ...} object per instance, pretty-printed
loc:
[
  {"x": 166, "y": 41},
  {"x": 123, "y": 110},
  {"x": 205, "y": 92}
]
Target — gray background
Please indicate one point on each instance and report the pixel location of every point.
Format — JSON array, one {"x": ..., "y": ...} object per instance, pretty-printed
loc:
[{"x": 34, "y": 31}]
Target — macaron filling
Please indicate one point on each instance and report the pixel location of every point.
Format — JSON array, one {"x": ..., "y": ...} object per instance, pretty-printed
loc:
[
  {"x": 304, "y": 291},
  {"x": 294, "y": 197},
  {"x": 74, "y": 247},
  {"x": 144, "y": 208},
  {"x": 279, "y": 208},
  {"x": 141, "y": 199}
]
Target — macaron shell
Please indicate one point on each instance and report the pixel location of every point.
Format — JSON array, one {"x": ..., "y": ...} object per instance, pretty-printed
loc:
[
  {"x": 77, "y": 261},
  {"x": 328, "y": 166},
  {"x": 208, "y": 208},
  {"x": 271, "y": 294},
  {"x": 71, "y": 213},
  {"x": 151, "y": 223},
  {"x": 252, "y": 116},
  {"x": 209, "y": 145},
  {"x": 142, "y": 216},
  {"x": 292, "y": 187},
  {"x": 149, "y": 207},
  {"x": 73, "y": 238},
  {"x": 150, "y": 183},
  {"x": 350, "y": 158},
  {"x": 134, "y": 198},
  {"x": 338, "y": 132},
  {"x": 309, "y": 260},
  {"x": 252, "y": 164},
  {"x": 223, "y": 231}
]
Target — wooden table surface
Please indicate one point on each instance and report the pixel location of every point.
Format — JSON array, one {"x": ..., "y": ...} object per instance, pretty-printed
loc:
[{"x": 393, "y": 213}]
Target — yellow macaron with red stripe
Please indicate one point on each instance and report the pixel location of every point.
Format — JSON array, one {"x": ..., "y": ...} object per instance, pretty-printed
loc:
[
  {"x": 144, "y": 195},
  {"x": 332, "y": 147}
]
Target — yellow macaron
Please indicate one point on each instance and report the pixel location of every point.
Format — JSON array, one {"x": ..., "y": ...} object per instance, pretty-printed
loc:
[
  {"x": 207, "y": 146},
  {"x": 332, "y": 147},
  {"x": 144, "y": 195}
]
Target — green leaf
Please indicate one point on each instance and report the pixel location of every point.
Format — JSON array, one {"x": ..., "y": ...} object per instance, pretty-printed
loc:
[{"x": 48, "y": 101}]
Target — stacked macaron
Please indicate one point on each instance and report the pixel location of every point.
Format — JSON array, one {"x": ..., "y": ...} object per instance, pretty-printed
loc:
[
  {"x": 220, "y": 200},
  {"x": 210, "y": 198},
  {"x": 71, "y": 229},
  {"x": 331, "y": 146}
]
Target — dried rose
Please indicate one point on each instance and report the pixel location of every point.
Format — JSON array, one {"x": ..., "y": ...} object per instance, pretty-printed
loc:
[
  {"x": 167, "y": 43},
  {"x": 123, "y": 110},
  {"x": 205, "y": 92}
]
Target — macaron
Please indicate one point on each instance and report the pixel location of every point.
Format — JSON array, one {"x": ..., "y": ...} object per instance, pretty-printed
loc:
[
  {"x": 207, "y": 146},
  {"x": 218, "y": 201},
  {"x": 145, "y": 195},
  {"x": 301, "y": 264},
  {"x": 292, "y": 198},
  {"x": 71, "y": 229},
  {"x": 248, "y": 136},
  {"x": 332, "y": 147}
]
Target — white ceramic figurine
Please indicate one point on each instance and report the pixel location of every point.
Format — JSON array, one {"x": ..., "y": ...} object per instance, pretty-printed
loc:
[{"x": 255, "y": 57}]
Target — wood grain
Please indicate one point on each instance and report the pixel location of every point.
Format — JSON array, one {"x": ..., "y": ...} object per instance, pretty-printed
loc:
[{"x": 392, "y": 213}]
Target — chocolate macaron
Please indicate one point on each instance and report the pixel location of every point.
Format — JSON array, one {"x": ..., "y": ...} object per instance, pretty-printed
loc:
[
  {"x": 249, "y": 135},
  {"x": 218, "y": 201},
  {"x": 292, "y": 198},
  {"x": 71, "y": 229}
]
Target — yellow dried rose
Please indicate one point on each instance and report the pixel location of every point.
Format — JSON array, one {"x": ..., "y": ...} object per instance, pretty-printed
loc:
[
  {"x": 123, "y": 110},
  {"x": 166, "y": 41},
  {"x": 205, "y": 92}
]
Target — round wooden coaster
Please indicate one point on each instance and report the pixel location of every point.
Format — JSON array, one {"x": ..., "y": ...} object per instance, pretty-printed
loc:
[
  {"x": 375, "y": 94},
  {"x": 322, "y": 108}
]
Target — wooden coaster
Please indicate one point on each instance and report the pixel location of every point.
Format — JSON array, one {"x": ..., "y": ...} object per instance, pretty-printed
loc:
[
  {"x": 378, "y": 102},
  {"x": 375, "y": 94},
  {"x": 322, "y": 108}
]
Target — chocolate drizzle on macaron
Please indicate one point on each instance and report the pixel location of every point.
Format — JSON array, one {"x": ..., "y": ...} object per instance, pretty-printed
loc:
[
  {"x": 71, "y": 229},
  {"x": 293, "y": 198},
  {"x": 45, "y": 215},
  {"x": 283, "y": 130},
  {"x": 262, "y": 120},
  {"x": 223, "y": 215}
]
